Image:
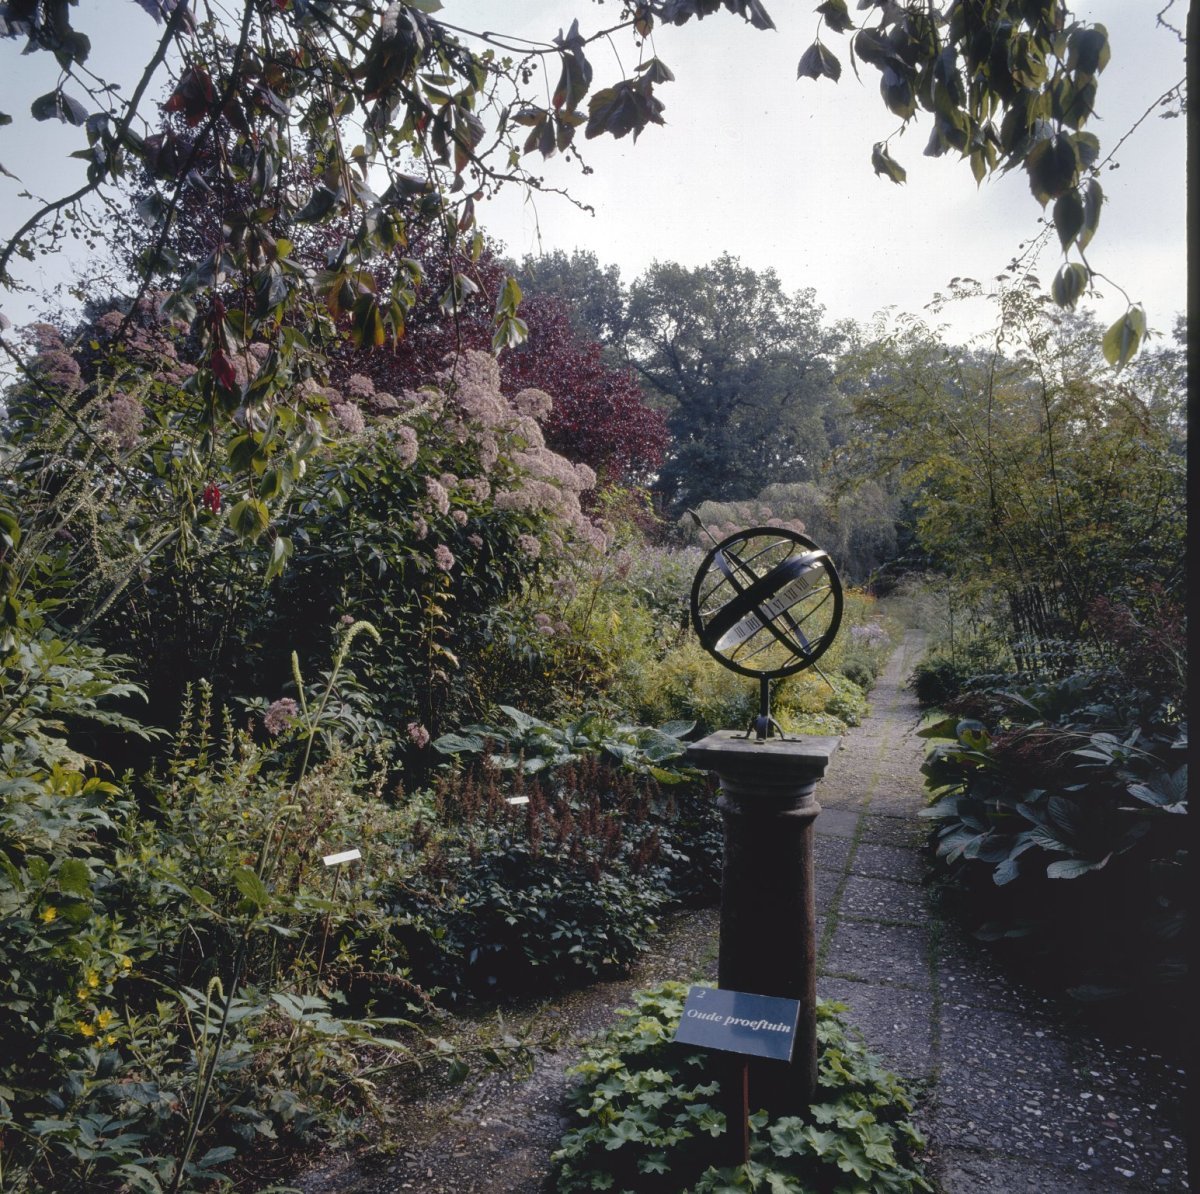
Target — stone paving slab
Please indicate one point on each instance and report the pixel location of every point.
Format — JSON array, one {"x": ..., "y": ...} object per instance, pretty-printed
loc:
[
  {"x": 868, "y": 898},
  {"x": 830, "y": 853},
  {"x": 897, "y": 1023},
  {"x": 889, "y": 862},
  {"x": 965, "y": 1172},
  {"x": 826, "y": 882},
  {"x": 836, "y": 822},
  {"x": 888, "y": 829},
  {"x": 891, "y": 953}
]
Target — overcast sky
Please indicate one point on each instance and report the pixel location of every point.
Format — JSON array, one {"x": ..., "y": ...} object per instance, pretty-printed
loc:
[{"x": 752, "y": 161}]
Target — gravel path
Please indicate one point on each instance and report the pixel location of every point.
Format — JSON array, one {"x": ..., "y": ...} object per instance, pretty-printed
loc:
[{"x": 1012, "y": 1098}]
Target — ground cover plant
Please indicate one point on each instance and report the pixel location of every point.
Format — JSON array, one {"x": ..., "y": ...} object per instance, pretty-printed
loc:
[{"x": 644, "y": 1118}]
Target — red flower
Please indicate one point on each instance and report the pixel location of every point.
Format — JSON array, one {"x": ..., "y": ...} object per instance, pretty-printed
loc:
[{"x": 211, "y": 497}]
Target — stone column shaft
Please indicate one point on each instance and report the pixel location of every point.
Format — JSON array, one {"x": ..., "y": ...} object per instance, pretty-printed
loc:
[{"x": 768, "y": 917}]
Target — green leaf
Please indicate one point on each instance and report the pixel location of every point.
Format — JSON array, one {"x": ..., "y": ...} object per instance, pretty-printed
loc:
[
  {"x": 1093, "y": 199},
  {"x": 1072, "y": 868},
  {"x": 281, "y": 552},
  {"x": 217, "y": 1155},
  {"x": 816, "y": 62},
  {"x": 1068, "y": 218},
  {"x": 1069, "y": 283},
  {"x": 1053, "y": 167},
  {"x": 656, "y": 71},
  {"x": 57, "y": 105},
  {"x": 972, "y": 734},
  {"x": 74, "y": 876},
  {"x": 1088, "y": 51},
  {"x": 1121, "y": 340},
  {"x": 249, "y": 518},
  {"x": 251, "y": 886},
  {"x": 885, "y": 164},
  {"x": 452, "y": 744},
  {"x": 836, "y": 15}
]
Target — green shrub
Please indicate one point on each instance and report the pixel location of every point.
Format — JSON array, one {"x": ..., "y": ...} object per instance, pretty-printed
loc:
[
  {"x": 860, "y": 673},
  {"x": 649, "y": 1123},
  {"x": 949, "y": 670},
  {"x": 498, "y": 895},
  {"x": 1059, "y": 813},
  {"x": 171, "y": 974}
]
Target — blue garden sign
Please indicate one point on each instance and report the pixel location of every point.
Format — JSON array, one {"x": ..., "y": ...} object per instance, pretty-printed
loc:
[{"x": 738, "y": 1022}]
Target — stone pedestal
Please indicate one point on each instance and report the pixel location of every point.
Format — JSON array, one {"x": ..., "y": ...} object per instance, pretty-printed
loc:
[{"x": 768, "y": 930}]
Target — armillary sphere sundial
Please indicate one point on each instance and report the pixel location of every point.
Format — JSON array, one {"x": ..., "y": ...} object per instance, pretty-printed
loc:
[{"x": 766, "y": 603}]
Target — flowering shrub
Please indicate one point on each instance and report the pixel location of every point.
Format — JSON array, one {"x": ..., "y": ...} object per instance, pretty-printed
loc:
[{"x": 423, "y": 512}]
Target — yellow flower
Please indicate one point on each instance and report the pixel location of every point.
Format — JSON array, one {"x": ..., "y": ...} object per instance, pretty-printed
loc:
[
  {"x": 126, "y": 963},
  {"x": 49, "y": 913},
  {"x": 85, "y": 1028},
  {"x": 93, "y": 979},
  {"x": 83, "y": 993},
  {"x": 110, "y": 1039},
  {"x": 104, "y": 1018}
]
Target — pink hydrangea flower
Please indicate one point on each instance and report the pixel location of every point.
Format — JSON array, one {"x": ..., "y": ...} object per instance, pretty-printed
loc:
[{"x": 279, "y": 715}]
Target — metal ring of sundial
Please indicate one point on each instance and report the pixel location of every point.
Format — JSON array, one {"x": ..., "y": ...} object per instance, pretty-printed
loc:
[{"x": 767, "y": 594}]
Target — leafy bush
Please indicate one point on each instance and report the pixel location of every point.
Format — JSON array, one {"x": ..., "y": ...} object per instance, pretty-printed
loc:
[
  {"x": 1081, "y": 780},
  {"x": 949, "y": 670},
  {"x": 531, "y": 744},
  {"x": 859, "y": 673},
  {"x": 556, "y": 881},
  {"x": 167, "y": 998},
  {"x": 649, "y": 1123},
  {"x": 686, "y": 682}
]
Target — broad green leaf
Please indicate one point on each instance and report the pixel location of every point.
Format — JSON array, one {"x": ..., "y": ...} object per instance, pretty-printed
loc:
[
  {"x": 281, "y": 552},
  {"x": 1068, "y": 218},
  {"x": 1093, "y": 200},
  {"x": 74, "y": 876},
  {"x": 816, "y": 62},
  {"x": 884, "y": 163},
  {"x": 58, "y": 105},
  {"x": 1053, "y": 167},
  {"x": 972, "y": 733},
  {"x": 1088, "y": 51},
  {"x": 249, "y": 518},
  {"x": 1072, "y": 868},
  {"x": 452, "y": 744},
  {"x": 1069, "y": 283},
  {"x": 251, "y": 886},
  {"x": 836, "y": 15},
  {"x": 1122, "y": 340}
]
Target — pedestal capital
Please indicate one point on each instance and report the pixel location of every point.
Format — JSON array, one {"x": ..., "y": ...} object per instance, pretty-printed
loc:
[{"x": 772, "y": 768}]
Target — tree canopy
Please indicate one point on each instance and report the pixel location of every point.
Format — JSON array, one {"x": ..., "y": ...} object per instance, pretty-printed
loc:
[
  {"x": 744, "y": 370},
  {"x": 407, "y": 116}
]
